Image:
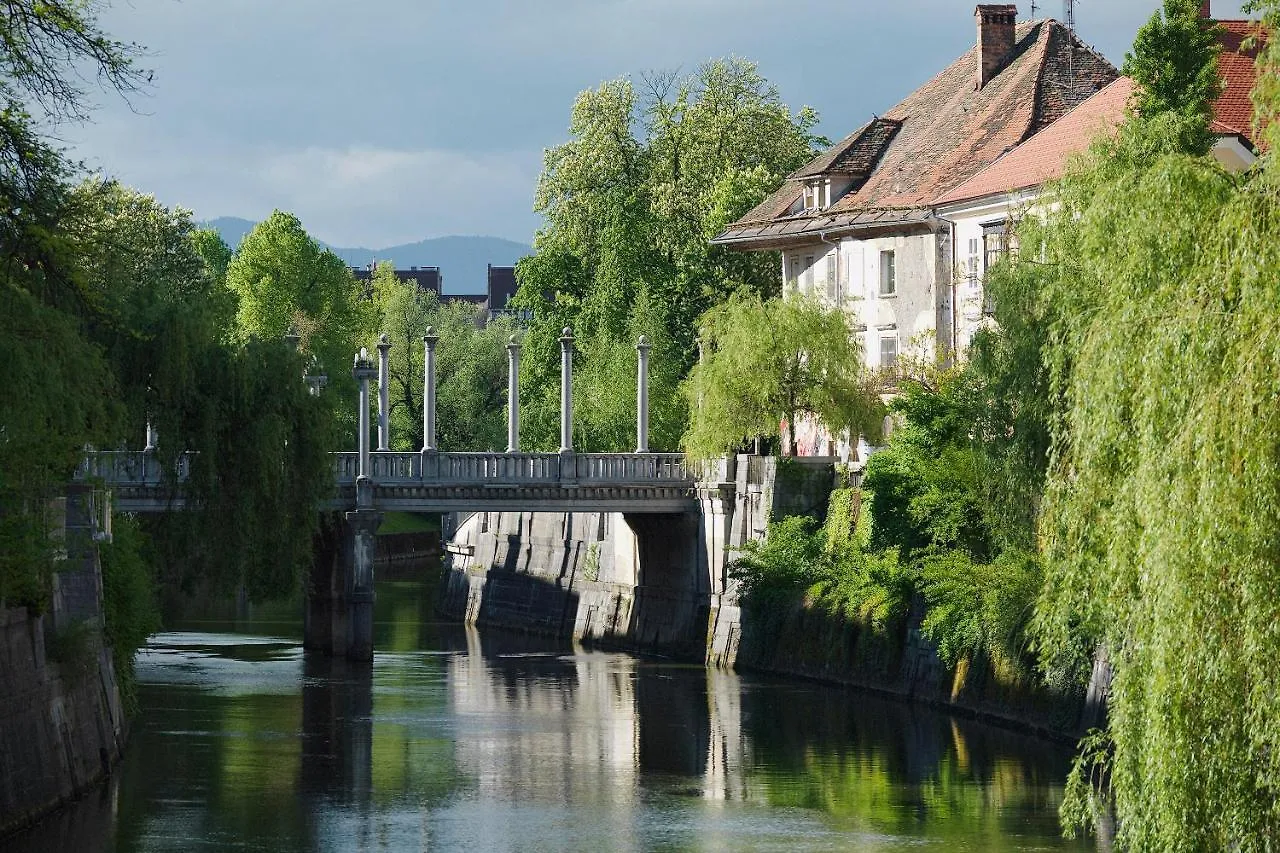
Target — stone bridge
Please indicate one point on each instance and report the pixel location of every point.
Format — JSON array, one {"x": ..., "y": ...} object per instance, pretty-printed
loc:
[
  {"x": 439, "y": 482},
  {"x": 673, "y": 509}
]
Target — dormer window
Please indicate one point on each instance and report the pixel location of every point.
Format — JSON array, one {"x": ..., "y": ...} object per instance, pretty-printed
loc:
[{"x": 817, "y": 194}]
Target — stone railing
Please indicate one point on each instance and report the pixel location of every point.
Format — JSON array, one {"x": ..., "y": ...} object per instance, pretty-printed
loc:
[
  {"x": 129, "y": 467},
  {"x": 392, "y": 468}
]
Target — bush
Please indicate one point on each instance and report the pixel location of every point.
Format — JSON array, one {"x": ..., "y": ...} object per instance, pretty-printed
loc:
[
  {"x": 130, "y": 609},
  {"x": 977, "y": 608}
]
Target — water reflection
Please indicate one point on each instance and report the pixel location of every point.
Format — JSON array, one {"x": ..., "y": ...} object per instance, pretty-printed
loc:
[{"x": 454, "y": 740}]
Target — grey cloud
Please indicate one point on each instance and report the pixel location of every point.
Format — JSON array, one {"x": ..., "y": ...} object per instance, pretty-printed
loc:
[{"x": 448, "y": 104}]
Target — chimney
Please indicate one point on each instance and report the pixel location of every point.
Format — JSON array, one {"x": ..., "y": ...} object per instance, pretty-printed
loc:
[
  {"x": 1205, "y": 11},
  {"x": 996, "y": 25}
]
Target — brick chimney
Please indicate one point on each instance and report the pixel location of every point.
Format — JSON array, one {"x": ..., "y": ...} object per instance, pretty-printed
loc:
[
  {"x": 996, "y": 25},
  {"x": 1205, "y": 11}
]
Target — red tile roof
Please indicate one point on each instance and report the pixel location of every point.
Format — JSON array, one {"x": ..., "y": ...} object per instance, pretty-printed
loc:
[
  {"x": 1044, "y": 156},
  {"x": 1233, "y": 111},
  {"x": 940, "y": 135}
]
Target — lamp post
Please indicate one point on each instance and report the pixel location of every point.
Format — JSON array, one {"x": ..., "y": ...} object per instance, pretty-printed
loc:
[
  {"x": 384, "y": 386},
  {"x": 362, "y": 370},
  {"x": 566, "y": 390},
  {"x": 429, "y": 390},
  {"x": 513, "y": 395},
  {"x": 642, "y": 395}
]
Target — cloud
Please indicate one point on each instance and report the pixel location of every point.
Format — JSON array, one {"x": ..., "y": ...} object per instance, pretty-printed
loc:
[
  {"x": 381, "y": 196},
  {"x": 348, "y": 195}
]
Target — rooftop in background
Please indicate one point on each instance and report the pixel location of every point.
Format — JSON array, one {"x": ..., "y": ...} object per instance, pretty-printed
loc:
[
  {"x": 1233, "y": 111},
  {"x": 1017, "y": 80},
  {"x": 1045, "y": 156},
  {"x": 424, "y": 278}
]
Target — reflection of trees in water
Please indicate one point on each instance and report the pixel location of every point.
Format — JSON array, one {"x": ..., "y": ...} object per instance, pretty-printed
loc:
[{"x": 895, "y": 767}]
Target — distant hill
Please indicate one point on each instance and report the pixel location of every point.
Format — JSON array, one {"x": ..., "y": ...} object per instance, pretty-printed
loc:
[{"x": 462, "y": 260}]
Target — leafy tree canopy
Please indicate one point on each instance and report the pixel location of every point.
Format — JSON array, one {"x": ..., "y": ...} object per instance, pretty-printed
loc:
[
  {"x": 1173, "y": 63},
  {"x": 630, "y": 203},
  {"x": 773, "y": 360}
]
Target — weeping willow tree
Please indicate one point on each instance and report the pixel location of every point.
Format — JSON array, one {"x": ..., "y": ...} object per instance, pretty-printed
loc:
[{"x": 1156, "y": 283}]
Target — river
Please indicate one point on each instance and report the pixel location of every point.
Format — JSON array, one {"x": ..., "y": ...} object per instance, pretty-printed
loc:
[{"x": 482, "y": 741}]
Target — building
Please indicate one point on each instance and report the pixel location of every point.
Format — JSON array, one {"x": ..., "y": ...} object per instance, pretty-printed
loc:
[
  {"x": 424, "y": 278},
  {"x": 983, "y": 209},
  {"x": 857, "y": 226}
]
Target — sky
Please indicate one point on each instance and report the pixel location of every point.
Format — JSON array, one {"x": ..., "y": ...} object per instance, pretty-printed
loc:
[{"x": 387, "y": 122}]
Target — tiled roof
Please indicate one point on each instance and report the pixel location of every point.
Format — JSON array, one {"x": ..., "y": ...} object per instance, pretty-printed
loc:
[
  {"x": 1233, "y": 111},
  {"x": 948, "y": 131},
  {"x": 1045, "y": 155},
  {"x": 857, "y": 153}
]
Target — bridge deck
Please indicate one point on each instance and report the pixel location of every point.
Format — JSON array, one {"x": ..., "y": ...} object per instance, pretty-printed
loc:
[{"x": 444, "y": 482}]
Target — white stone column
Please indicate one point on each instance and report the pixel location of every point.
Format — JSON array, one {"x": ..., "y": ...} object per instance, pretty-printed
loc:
[
  {"x": 384, "y": 388},
  {"x": 429, "y": 391},
  {"x": 362, "y": 371},
  {"x": 642, "y": 395},
  {"x": 566, "y": 390},
  {"x": 513, "y": 395}
]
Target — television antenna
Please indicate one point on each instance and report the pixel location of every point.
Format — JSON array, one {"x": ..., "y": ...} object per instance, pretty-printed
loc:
[
  {"x": 1069, "y": 14},
  {"x": 1035, "y": 10}
]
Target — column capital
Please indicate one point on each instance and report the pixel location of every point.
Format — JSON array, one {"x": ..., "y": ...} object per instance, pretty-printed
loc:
[
  {"x": 566, "y": 336},
  {"x": 513, "y": 345},
  {"x": 643, "y": 344},
  {"x": 384, "y": 342},
  {"x": 430, "y": 337}
]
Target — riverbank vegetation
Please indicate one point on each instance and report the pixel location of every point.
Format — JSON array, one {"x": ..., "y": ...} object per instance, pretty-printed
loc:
[{"x": 1100, "y": 478}]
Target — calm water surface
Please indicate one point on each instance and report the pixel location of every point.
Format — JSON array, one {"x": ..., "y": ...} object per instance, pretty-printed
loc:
[{"x": 457, "y": 740}]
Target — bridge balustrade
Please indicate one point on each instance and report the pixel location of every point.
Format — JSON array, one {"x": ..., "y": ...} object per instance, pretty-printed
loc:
[
  {"x": 130, "y": 467},
  {"x": 395, "y": 468}
]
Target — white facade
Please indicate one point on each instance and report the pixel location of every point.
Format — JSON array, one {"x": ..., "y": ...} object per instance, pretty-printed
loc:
[{"x": 889, "y": 285}]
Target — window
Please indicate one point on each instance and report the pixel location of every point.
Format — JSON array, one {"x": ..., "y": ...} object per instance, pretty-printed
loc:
[
  {"x": 995, "y": 242},
  {"x": 973, "y": 269},
  {"x": 806, "y": 277},
  {"x": 831, "y": 276},
  {"x": 888, "y": 274},
  {"x": 888, "y": 351},
  {"x": 793, "y": 271},
  {"x": 817, "y": 195}
]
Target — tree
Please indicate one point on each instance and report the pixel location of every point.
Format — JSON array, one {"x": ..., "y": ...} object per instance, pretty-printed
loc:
[
  {"x": 284, "y": 281},
  {"x": 1174, "y": 64},
  {"x": 1155, "y": 283},
  {"x": 768, "y": 361},
  {"x": 630, "y": 203}
]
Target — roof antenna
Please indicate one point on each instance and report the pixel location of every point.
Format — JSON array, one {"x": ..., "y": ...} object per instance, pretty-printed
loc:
[
  {"x": 1069, "y": 14},
  {"x": 1035, "y": 10}
]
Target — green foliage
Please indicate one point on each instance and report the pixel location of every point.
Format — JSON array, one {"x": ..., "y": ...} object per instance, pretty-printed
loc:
[
  {"x": 981, "y": 609},
  {"x": 797, "y": 557},
  {"x": 284, "y": 281},
  {"x": 1154, "y": 287},
  {"x": 765, "y": 361},
  {"x": 630, "y": 203},
  {"x": 1173, "y": 63},
  {"x": 927, "y": 481},
  {"x": 130, "y": 608}
]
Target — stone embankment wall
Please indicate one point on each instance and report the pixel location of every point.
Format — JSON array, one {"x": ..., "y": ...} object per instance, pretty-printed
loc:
[
  {"x": 62, "y": 725},
  {"x": 808, "y": 642},
  {"x": 660, "y": 584},
  {"x": 654, "y": 583}
]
